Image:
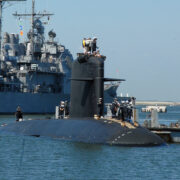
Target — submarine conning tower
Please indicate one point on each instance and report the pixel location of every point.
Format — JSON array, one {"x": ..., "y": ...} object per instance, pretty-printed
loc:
[{"x": 87, "y": 85}]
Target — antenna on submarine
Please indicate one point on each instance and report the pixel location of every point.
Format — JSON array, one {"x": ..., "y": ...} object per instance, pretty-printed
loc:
[
  {"x": 2, "y": 2},
  {"x": 33, "y": 15}
]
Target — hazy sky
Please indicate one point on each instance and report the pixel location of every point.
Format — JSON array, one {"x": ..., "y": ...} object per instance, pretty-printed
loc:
[{"x": 141, "y": 39}]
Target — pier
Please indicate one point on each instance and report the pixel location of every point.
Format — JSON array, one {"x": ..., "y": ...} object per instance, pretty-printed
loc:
[
  {"x": 170, "y": 134},
  {"x": 159, "y": 103}
]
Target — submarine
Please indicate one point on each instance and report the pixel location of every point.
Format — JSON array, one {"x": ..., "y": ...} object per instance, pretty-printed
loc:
[{"x": 86, "y": 122}]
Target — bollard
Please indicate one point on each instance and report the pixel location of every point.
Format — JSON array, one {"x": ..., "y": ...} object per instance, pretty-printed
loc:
[
  {"x": 57, "y": 112},
  {"x": 154, "y": 118},
  {"x": 109, "y": 114},
  {"x": 135, "y": 117}
]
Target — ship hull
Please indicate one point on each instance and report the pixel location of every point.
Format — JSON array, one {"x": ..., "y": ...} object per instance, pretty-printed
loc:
[
  {"x": 39, "y": 103},
  {"x": 85, "y": 130}
]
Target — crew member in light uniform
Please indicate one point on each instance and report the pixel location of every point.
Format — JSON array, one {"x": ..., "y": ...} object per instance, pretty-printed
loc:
[
  {"x": 88, "y": 45},
  {"x": 66, "y": 108}
]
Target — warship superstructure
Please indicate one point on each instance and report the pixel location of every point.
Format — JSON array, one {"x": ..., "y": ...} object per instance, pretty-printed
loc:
[{"x": 34, "y": 74}]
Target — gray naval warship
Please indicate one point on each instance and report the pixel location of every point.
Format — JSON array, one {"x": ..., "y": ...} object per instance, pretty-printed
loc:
[
  {"x": 35, "y": 74},
  {"x": 86, "y": 122}
]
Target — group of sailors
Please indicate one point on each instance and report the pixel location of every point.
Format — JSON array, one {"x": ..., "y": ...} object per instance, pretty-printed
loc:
[
  {"x": 122, "y": 110},
  {"x": 90, "y": 46}
]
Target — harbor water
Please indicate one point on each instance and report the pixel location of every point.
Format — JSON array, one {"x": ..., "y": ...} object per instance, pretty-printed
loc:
[{"x": 34, "y": 158}]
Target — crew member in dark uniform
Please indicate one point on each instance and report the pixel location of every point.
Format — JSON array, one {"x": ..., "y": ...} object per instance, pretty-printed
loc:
[
  {"x": 114, "y": 107},
  {"x": 121, "y": 112},
  {"x": 66, "y": 108},
  {"x": 100, "y": 107},
  {"x": 93, "y": 45},
  {"x": 129, "y": 109},
  {"x": 125, "y": 111},
  {"x": 61, "y": 110},
  {"x": 19, "y": 114}
]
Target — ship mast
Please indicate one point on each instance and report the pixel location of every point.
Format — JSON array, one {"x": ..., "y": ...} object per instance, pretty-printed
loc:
[
  {"x": 32, "y": 29},
  {"x": 1, "y": 8},
  {"x": 33, "y": 15}
]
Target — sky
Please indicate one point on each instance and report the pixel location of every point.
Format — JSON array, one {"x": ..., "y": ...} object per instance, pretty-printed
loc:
[{"x": 140, "y": 38}]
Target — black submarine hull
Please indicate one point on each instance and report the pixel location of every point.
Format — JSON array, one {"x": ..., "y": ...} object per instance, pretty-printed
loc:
[{"x": 90, "y": 130}]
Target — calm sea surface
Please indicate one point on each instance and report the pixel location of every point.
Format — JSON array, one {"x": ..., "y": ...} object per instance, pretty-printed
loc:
[{"x": 33, "y": 158}]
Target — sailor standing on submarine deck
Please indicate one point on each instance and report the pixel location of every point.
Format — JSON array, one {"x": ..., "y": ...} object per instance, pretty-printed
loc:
[
  {"x": 61, "y": 110},
  {"x": 19, "y": 114},
  {"x": 100, "y": 107},
  {"x": 114, "y": 107}
]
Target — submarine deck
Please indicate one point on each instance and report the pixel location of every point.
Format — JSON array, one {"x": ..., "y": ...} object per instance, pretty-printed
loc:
[{"x": 87, "y": 130}]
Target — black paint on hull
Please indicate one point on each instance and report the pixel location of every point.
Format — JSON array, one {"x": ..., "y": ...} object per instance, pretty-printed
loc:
[{"x": 87, "y": 131}]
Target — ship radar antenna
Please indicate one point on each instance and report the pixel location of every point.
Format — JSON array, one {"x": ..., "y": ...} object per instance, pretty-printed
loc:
[
  {"x": 33, "y": 16},
  {"x": 1, "y": 7}
]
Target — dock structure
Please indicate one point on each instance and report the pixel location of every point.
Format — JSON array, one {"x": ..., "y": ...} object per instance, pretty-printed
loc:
[
  {"x": 158, "y": 103},
  {"x": 170, "y": 134},
  {"x": 157, "y": 108}
]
